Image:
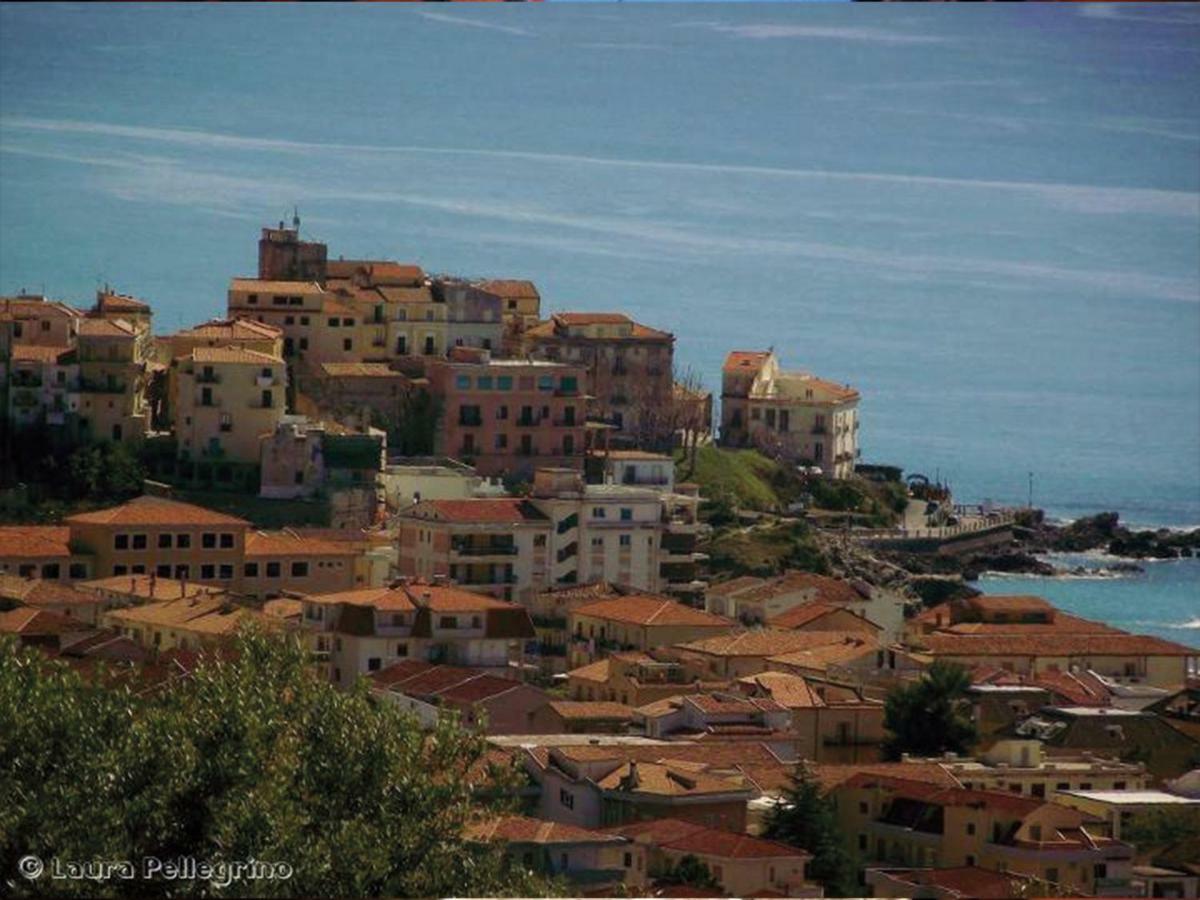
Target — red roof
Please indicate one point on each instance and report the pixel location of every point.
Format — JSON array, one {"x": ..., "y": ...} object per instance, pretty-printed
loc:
[
  {"x": 643, "y": 610},
  {"x": 943, "y": 796},
  {"x": 524, "y": 830},
  {"x": 504, "y": 510},
  {"x": 689, "y": 837},
  {"x": 288, "y": 543},
  {"x": 807, "y": 613},
  {"x": 745, "y": 360},
  {"x": 150, "y": 510},
  {"x": 963, "y": 881},
  {"x": 1053, "y": 645},
  {"x": 29, "y": 622},
  {"x": 34, "y": 541}
]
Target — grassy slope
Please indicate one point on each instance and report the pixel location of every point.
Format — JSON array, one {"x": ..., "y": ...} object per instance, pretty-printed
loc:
[{"x": 743, "y": 475}]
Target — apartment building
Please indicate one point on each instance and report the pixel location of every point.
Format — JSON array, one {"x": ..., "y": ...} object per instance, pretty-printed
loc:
[
  {"x": 223, "y": 400},
  {"x": 1126, "y": 809},
  {"x": 911, "y": 823},
  {"x": 190, "y": 623},
  {"x": 792, "y": 415},
  {"x": 689, "y": 716},
  {"x": 754, "y": 600},
  {"x": 244, "y": 334},
  {"x": 520, "y": 310},
  {"x": 42, "y": 551},
  {"x": 593, "y": 863},
  {"x": 52, "y": 596},
  {"x": 112, "y": 305},
  {"x": 474, "y": 317},
  {"x": 752, "y": 651},
  {"x": 637, "y": 622},
  {"x": 114, "y": 358},
  {"x": 356, "y": 633},
  {"x": 638, "y": 678},
  {"x": 742, "y": 864},
  {"x": 506, "y": 416},
  {"x": 630, "y": 370},
  {"x": 566, "y": 532},
  {"x": 38, "y": 320},
  {"x": 303, "y": 312},
  {"x": 359, "y": 393},
  {"x": 42, "y": 387},
  {"x": 394, "y": 306}
]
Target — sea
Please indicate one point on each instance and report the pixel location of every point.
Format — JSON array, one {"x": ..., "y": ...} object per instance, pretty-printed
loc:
[{"x": 985, "y": 217}]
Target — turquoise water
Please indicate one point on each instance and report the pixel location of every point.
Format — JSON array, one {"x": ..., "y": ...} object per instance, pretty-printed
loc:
[
  {"x": 985, "y": 217},
  {"x": 1163, "y": 601}
]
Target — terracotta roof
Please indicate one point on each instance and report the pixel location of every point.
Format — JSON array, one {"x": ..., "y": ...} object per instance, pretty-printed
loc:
[
  {"x": 361, "y": 370},
  {"x": 151, "y": 510},
  {"x": 106, "y": 300},
  {"x": 790, "y": 691},
  {"x": 510, "y": 289},
  {"x": 769, "y": 642},
  {"x": 150, "y": 587},
  {"x": 283, "y": 608},
  {"x": 687, "y": 837},
  {"x": 549, "y": 328},
  {"x": 232, "y": 355},
  {"x": 40, "y": 592},
  {"x": 287, "y": 543},
  {"x": 591, "y": 709},
  {"x": 744, "y": 360},
  {"x": 837, "y": 392},
  {"x": 590, "y": 318},
  {"x": 35, "y": 306},
  {"x": 1023, "y": 603},
  {"x": 38, "y": 353},
  {"x": 830, "y": 775},
  {"x": 719, "y": 704},
  {"x": 805, "y": 614},
  {"x": 214, "y": 616},
  {"x": 34, "y": 541},
  {"x": 669, "y": 778},
  {"x": 382, "y": 598},
  {"x": 644, "y": 610},
  {"x": 820, "y": 658},
  {"x": 962, "y": 881},
  {"x": 524, "y": 830},
  {"x": 455, "y": 685},
  {"x": 597, "y": 671},
  {"x": 29, "y": 622},
  {"x": 232, "y": 329},
  {"x": 926, "y": 792},
  {"x": 942, "y": 644},
  {"x": 504, "y": 510},
  {"x": 106, "y": 328},
  {"x": 275, "y": 287}
]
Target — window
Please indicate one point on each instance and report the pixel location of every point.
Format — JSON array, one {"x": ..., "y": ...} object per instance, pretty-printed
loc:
[
  {"x": 373, "y": 664},
  {"x": 289, "y": 320},
  {"x": 484, "y": 382},
  {"x": 501, "y": 441},
  {"x": 504, "y": 382},
  {"x": 183, "y": 541},
  {"x": 303, "y": 343},
  {"x": 347, "y": 344},
  {"x": 462, "y": 382},
  {"x": 597, "y": 512},
  {"x": 569, "y": 384},
  {"x": 225, "y": 573},
  {"x": 597, "y": 542},
  {"x": 208, "y": 571},
  {"x": 208, "y": 540},
  {"x": 334, "y": 322},
  {"x": 862, "y": 842},
  {"x": 626, "y": 514},
  {"x": 164, "y": 541},
  {"x": 545, "y": 382},
  {"x": 864, "y": 808},
  {"x": 402, "y": 649},
  {"x": 78, "y": 570},
  {"x": 139, "y": 542},
  {"x": 304, "y": 320},
  {"x": 501, "y": 412},
  {"x": 226, "y": 541},
  {"x": 1052, "y": 874},
  {"x": 566, "y": 798},
  {"x": 299, "y": 570},
  {"x": 121, "y": 542},
  {"x": 273, "y": 569},
  {"x": 448, "y": 622},
  {"x": 628, "y": 860},
  {"x": 626, "y": 540},
  {"x": 163, "y": 571},
  {"x": 970, "y": 828},
  {"x": 50, "y": 571},
  {"x": 183, "y": 571},
  {"x": 268, "y": 400}
]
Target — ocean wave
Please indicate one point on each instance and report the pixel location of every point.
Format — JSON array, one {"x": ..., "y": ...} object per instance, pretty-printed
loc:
[
  {"x": 1063, "y": 575},
  {"x": 1194, "y": 623}
]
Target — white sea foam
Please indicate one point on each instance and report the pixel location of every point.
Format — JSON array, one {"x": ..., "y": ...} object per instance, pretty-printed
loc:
[{"x": 1194, "y": 623}]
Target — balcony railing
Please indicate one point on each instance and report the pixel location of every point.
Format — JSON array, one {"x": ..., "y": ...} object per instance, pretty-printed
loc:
[{"x": 484, "y": 550}]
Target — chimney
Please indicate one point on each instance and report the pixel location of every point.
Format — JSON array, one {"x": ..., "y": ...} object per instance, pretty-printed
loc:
[
  {"x": 133, "y": 584},
  {"x": 631, "y": 780}
]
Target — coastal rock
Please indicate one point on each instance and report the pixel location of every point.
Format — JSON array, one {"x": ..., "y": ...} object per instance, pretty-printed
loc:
[
  {"x": 1088, "y": 533},
  {"x": 935, "y": 589}
]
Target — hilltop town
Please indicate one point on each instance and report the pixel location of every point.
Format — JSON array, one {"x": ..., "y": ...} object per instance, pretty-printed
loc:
[{"x": 675, "y": 631}]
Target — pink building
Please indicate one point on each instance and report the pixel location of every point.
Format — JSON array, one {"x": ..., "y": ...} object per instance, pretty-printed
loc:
[{"x": 508, "y": 415}]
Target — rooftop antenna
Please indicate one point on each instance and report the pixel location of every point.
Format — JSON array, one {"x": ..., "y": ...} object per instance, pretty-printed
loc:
[{"x": 296, "y": 218}]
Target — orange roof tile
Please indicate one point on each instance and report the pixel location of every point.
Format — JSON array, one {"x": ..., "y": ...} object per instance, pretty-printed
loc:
[
  {"x": 391, "y": 599},
  {"x": 524, "y": 830},
  {"x": 150, "y": 587},
  {"x": 1060, "y": 645},
  {"x": 361, "y": 370},
  {"x": 645, "y": 610},
  {"x": 592, "y": 318},
  {"x": 233, "y": 355},
  {"x": 1022, "y": 603},
  {"x": 34, "y": 541},
  {"x": 106, "y": 300},
  {"x": 669, "y": 778},
  {"x": 38, "y": 353},
  {"x": 275, "y": 287},
  {"x": 41, "y": 592},
  {"x": 503, "y": 510},
  {"x": 597, "y": 671},
  {"x": 831, "y": 775},
  {"x": 106, "y": 328},
  {"x": 1014, "y": 804},
  {"x": 510, "y": 289},
  {"x": 805, "y": 614},
  {"x": 769, "y": 642},
  {"x": 30, "y": 622},
  {"x": 287, "y": 543},
  {"x": 591, "y": 709},
  {"x": 150, "y": 510},
  {"x": 232, "y": 329},
  {"x": 688, "y": 837},
  {"x": 744, "y": 360}
]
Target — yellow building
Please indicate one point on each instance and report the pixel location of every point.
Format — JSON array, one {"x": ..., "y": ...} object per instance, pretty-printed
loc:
[
  {"x": 638, "y": 622},
  {"x": 245, "y": 334},
  {"x": 1123, "y": 809},
  {"x": 112, "y": 305},
  {"x": 395, "y": 310},
  {"x": 34, "y": 319},
  {"x": 186, "y": 624},
  {"x": 296, "y": 308},
  {"x": 223, "y": 400},
  {"x": 113, "y": 356}
]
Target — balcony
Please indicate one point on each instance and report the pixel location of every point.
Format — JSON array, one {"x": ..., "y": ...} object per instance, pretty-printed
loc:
[
  {"x": 87, "y": 386},
  {"x": 266, "y": 381},
  {"x": 26, "y": 379},
  {"x": 484, "y": 549},
  {"x": 528, "y": 421},
  {"x": 568, "y": 523},
  {"x": 208, "y": 378},
  {"x": 818, "y": 429}
]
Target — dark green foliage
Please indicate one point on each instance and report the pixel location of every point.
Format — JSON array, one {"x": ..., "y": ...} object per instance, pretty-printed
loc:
[
  {"x": 931, "y": 716},
  {"x": 807, "y": 820},
  {"x": 249, "y": 757},
  {"x": 413, "y": 434},
  {"x": 765, "y": 551},
  {"x": 690, "y": 871}
]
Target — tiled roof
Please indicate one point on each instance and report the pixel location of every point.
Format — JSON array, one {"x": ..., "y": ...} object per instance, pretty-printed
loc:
[
  {"x": 745, "y": 360},
  {"x": 216, "y": 616},
  {"x": 644, "y": 610},
  {"x": 510, "y": 289},
  {"x": 1023, "y": 603},
  {"x": 524, "y": 830},
  {"x": 597, "y": 671},
  {"x": 501, "y": 510},
  {"x": 40, "y": 592},
  {"x": 820, "y": 658},
  {"x": 942, "y": 644},
  {"x": 688, "y": 837},
  {"x": 36, "y": 306},
  {"x": 38, "y": 353},
  {"x": 719, "y": 704},
  {"x": 395, "y": 274},
  {"x": 232, "y": 329},
  {"x": 29, "y": 622},
  {"x": 837, "y": 392},
  {"x": 34, "y": 541},
  {"x": 455, "y": 685},
  {"x": 769, "y": 642},
  {"x": 382, "y": 598},
  {"x": 591, "y": 318},
  {"x": 830, "y": 775},
  {"x": 963, "y": 881},
  {"x": 106, "y": 300},
  {"x": 805, "y": 614},
  {"x": 591, "y": 709},
  {"x": 106, "y": 328},
  {"x": 833, "y": 591},
  {"x": 1013, "y": 804},
  {"x": 669, "y": 778},
  {"x": 288, "y": 543},
  {"x": 151, "y": 510},
  {"x": 233, "y": 355},
  {"x": 150, "y": 587},
  {"x": 275, "y": 287},
  {"x": 283, "y": 608},
  {"x": 550, "y": 327},
  {"x": 790, "y": 691},
  {"x": 361, "y": 370}
]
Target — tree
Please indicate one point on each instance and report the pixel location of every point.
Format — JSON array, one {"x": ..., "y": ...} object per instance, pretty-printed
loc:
[
  {"x": 691, "y": 871},
  {"x": 807, "y": 820},
  {"x": 249, "y": 757},
  {"x": 931, "y": 716}
]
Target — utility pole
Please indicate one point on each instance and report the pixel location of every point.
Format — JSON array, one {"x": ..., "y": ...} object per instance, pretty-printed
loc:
[{"x": 1031, "y": 490}]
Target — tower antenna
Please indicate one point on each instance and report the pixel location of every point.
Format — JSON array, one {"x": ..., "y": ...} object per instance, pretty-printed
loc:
[{"x": 296, "y": 218}]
